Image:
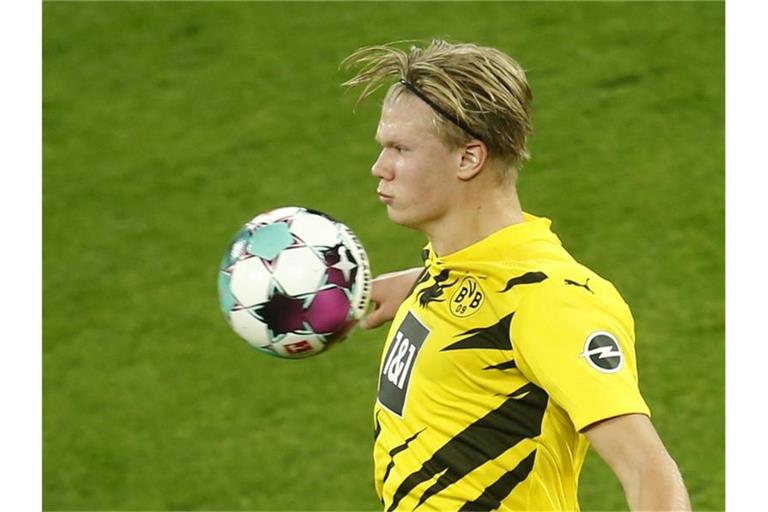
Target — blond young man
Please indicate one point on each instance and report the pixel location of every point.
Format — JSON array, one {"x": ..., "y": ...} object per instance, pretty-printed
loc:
[{"x": 506, "y": 358}]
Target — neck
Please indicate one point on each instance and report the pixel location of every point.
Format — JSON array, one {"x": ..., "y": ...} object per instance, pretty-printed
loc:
[{"x": 476, "y": 216}]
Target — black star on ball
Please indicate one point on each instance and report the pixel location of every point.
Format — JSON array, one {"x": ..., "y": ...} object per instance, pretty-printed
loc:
[{"x": 282, "y": 313}]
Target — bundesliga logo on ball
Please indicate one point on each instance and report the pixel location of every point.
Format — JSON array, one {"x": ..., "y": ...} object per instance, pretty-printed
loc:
[{"x": 293, "y": 282}]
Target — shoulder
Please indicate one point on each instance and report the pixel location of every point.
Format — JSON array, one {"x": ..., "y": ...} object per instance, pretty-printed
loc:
[
  {"x": 578, "y": 343},
  {"x": 571, "y": 303},
  {"x": 572, "y": 286}
]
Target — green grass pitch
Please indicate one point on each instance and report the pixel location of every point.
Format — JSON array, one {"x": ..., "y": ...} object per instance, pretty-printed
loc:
[{"x": 167, "y": 125}]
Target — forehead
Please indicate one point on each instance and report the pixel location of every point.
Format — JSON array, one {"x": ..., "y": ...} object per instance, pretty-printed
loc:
[{"x": 405, "y": 115}]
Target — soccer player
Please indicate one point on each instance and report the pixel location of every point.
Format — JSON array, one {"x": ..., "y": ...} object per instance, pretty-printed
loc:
[{"x": 506, "y": 358}]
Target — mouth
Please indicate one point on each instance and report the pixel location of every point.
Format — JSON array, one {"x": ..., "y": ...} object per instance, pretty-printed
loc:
[{"x": 385, "y": 198}]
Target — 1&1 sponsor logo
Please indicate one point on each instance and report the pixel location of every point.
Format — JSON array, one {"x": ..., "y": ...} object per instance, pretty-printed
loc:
[{"x": 399, "y": 362}]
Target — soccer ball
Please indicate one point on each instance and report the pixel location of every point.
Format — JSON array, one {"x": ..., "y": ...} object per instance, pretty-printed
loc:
[{"x": 293, "y": 282}]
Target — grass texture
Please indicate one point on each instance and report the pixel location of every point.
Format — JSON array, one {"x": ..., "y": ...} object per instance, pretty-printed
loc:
[{"x": 168, "y": 125}]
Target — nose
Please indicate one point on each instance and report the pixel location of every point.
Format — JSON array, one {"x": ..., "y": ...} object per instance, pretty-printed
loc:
[{"x": 381, "y": 168}]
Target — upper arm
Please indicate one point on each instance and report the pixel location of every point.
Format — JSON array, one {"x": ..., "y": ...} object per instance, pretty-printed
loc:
[
  {"x": 628, "y": 444},
  {"x": 631, "y": 447}
]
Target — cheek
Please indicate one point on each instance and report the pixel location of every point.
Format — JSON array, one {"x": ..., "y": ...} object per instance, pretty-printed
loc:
[
  {"x": 428, "y": 187},
  {"x": 433, "y": 173}
]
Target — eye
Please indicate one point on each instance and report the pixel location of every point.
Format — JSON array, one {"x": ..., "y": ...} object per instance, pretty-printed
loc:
[{"x": 399, "y": 148}]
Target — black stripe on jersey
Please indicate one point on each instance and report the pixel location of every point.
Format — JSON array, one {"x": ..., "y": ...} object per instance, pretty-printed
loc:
[
  {"x": 423, "y": 277},
  {"x": 492, "y": 497},
  {"x": 377, "y": 427},
  {"x": 397, "y": 449},
  {"x": 434, "y": 292},
  {"x": 494, "y": 336},
  {"x": 518, "y": 418},
  {"x": 527, "y": 278},
  {"x": 506, "y": 365}
]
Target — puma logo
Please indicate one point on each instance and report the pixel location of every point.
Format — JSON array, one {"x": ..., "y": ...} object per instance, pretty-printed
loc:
[{"x": 585, "y": 285}]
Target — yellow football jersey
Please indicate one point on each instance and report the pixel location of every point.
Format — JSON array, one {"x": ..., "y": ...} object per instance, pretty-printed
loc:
[{"x": 501, "y": 354}]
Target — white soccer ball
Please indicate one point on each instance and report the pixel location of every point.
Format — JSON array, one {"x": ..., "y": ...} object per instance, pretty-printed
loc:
[{"x": 294, "y": 281}]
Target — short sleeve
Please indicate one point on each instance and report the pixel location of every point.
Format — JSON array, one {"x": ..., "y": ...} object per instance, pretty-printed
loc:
[{"x": 577, "y": 344}]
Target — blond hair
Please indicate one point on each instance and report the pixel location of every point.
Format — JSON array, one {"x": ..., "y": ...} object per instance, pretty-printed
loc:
[{"x": 481, "y": 87}]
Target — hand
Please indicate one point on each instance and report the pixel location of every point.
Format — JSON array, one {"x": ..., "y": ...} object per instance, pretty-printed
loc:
[{"x": 388, "y": 291}]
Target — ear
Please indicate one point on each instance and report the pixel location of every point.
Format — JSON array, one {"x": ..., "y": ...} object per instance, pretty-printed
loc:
[{"x": 473, "y": 156}]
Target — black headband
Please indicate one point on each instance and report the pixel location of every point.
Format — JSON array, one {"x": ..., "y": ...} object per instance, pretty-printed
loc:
[{"x": 440, "y": 110}]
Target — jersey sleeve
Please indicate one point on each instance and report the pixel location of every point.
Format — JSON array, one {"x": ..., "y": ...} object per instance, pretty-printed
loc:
[{"x": 578, "y": 345}]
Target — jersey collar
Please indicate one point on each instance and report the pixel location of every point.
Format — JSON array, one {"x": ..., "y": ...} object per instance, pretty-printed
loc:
[{"x": 511, "y": 242}]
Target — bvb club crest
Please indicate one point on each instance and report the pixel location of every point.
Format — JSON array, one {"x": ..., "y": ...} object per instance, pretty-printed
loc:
[{"x": 468, "y": 298}]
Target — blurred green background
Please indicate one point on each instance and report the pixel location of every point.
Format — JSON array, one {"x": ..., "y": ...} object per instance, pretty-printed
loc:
[{"x": 168, "y": 125}]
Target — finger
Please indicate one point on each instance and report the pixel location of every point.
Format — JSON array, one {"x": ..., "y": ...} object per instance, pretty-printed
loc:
[
  {"x": 364, "y": 321},
  {"x": 373, "y": 319}
]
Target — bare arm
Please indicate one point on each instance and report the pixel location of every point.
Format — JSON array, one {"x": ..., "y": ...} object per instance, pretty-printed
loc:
[
  {"x": 630, "y": 445},
  {"x": 387, "y": 293}
]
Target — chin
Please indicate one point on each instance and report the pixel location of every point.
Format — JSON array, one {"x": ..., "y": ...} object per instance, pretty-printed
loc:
[{"x": 401, "y": 218}]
